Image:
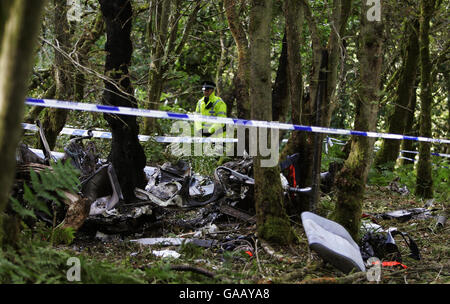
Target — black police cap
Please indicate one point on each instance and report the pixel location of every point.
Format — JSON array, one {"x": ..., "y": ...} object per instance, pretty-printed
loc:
[{"x": 208, "y": 85}]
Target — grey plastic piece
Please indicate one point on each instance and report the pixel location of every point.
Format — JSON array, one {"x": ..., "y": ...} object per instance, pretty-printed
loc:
[
  {"x": 332, "y": 242},
  {"x": 441, "y": 220}
]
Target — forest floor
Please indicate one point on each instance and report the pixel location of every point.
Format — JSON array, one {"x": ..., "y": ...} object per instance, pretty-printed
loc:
[{"x": 239, "y": 257}]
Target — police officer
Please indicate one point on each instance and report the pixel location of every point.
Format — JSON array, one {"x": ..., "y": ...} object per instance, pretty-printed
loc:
[{"x": 210, "y": 105}]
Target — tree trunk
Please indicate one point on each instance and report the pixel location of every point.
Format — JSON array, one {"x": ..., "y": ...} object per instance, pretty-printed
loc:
[
  {"x": 87, "y": 40},
  {"x": 294, "y": 24},
  {"x": 163, "y": 28},
  {"x": 397, "y": 121},
  {"x": 294, "y": 16},
  {"x": 447, "y": 82},
  {"x": 272, "y": 222},
  {"x": 19, "y": 26},
  {"x": 351, "y": 180},
  {"x": 318, "y": 111},
  {"x": 158, "y": 28},
  {"x": 410, "y": 128},
  {"x": 280, "y": 92},
  {"x": 241, "y": 80},
  {"x": 54, "y": 119},
  {"x": 34, "y": 112},
  {"x": 220, "y": 78},
  {"x": 341, "y": 12},
  {"x": 424, "y": 181},
  {"x": 127, "y": 155}
]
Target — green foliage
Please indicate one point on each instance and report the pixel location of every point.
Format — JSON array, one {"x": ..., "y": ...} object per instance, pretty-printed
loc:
[
  {"x": 62, "y": 235},
  {"x": 406, "y": 176},
  {"x": 335, "y": 154},
  {"x": 325, "y": 206},
  {"x": 203, "y": 165},
  {"x": 441, "y": 179},
  {"x": 381, "y": 176},
  {"x": 49, "y": 185},
  {"x": 165, "y": 125},
  {"x": 155, "y": 151},
  {"x": 191, "y": 251},
  {"x": 36, "y": 262}
]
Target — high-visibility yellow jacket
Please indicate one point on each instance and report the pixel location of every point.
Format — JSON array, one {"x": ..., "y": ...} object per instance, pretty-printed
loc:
[{"x": 217, "y": 107}]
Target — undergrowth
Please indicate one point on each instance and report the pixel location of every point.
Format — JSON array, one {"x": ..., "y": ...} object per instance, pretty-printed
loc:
[{"x": 38, "y": 262}]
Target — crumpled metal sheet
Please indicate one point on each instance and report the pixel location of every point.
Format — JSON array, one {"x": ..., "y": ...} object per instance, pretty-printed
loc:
[
  {"x": 166, "y": 241},
  {"x": 173, "y": 185},
  {"x": 407, "y": 214}
]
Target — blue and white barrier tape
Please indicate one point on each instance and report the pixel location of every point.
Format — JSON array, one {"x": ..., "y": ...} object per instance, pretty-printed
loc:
[
  {"x": 329, "y": 141},
  {"x": 58, "y": 155},
  {"x": 214, "y": 119},
  {"x": 432, "y": 153},
  {"x": 108, "y": 135}
]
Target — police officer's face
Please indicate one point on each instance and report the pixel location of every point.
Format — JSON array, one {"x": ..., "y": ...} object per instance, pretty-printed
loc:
[{"x": 207, "y": 91}]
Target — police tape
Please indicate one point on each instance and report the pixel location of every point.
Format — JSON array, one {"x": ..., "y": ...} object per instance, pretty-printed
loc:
[
  {"x": 328, "y": 141},
  {"x": 161, "y": 139},
  {"x": 108, "y": 135},
  {"x": 214, "y": 119},
  {"x": 432, "y": 153},
  {"x": 149, "y": 170}
]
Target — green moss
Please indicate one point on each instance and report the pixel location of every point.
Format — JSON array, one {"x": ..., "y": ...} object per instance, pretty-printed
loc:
[
  {"x": 349, "y": 202},
  {"x": 276, "y": 230}
]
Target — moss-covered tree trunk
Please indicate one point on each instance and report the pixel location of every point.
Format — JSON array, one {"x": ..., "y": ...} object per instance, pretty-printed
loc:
[
  {"x": 351, "y": 180},
  {"x": 19, "y": 28},
  {"x": 272, "y": 222},
  {"x": 54, "y": 119},
  {"x": 397, "y": 121},
  {"x": 127, "y": 155},
  {"x": 424, "y": 181},
  {"x": 87, "y": 40}
]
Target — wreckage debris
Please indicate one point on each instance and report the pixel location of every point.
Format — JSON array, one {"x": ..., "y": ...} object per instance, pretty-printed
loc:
[
  {"x": 441, "y": 220},
  {"x": 165, "y": 241},
  {"x": 382, "y": 244},
  {"x": 166, "y": 253},
  {"x": 101, "y": 208},
  {"x": 408, "y": 214},
  {"x": 100, "y": 190},
  {"x": 174, "y": 186}
]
